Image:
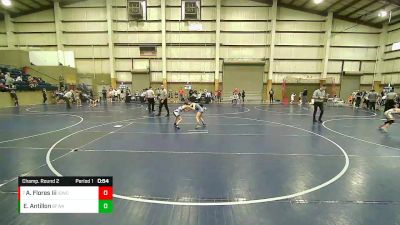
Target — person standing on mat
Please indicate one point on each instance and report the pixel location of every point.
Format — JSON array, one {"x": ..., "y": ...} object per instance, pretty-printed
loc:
[
  {"x": 243, "y": 96},
  {"x": 271, "y": 96},
  {"x": 150, "y": 100},
  {"x": 44, "y": 95},
  {"x": 104, "y": 94},
  {"x": 319, "y": 97},
  {"x": 304, "y": 97},
  {"x": 372, "y": 97},
  {"x": 14, "y": 96},
  {"x": 163, "y": 101}
]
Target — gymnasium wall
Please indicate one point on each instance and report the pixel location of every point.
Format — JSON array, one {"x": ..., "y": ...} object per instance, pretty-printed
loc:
[
  {"x": 245, "y": 35},
  {"x": 391, "y": 73},
  {"x": 51, "y": 74},
  {"x": 355, "y": 48},
  {"x": 24, "y": 98},
  {"x": 17, "y": 58},
  {"x": 3, "y": 35}
]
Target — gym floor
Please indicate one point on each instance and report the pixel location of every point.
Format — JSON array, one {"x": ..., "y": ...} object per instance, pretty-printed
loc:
[{"x": 252, "y": 164}]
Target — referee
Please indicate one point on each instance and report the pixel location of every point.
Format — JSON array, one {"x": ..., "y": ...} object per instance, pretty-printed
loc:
[
  {"x": 163, "y": 101},
  {"x": 150, "y": 100},
  {"x": 319, "y": 97}
]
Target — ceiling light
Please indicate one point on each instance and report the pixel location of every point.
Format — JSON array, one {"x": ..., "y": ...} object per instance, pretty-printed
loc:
[
  {"x": 6, "y": 2},
  {"x": 318, "y": 1},
  {"x": 383, "y": 13}
]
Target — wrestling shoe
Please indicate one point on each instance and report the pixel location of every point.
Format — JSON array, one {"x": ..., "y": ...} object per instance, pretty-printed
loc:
[{"x": 383, "y": 129}]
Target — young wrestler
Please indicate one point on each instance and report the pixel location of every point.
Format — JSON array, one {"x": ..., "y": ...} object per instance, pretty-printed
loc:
[
  {"x": 177, "y": 114},
  {"x": 199, "y": 115},
  {"x": 78, "y": 98},
  {"x": 390, "y": 119}
]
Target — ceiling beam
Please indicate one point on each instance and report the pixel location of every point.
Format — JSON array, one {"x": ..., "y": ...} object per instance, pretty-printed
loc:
[
  {"x": 394, "y": 2},
  {"x": 31, "y": 11},
  {"x": 395, "y": 20},
  {"x": 377, "y": 10},
  {"x": 304, "y": 4},
  {"x": 382, "y": 19},
  {"x": 43, "y": 8},
  {"x": 285, "y": 5},
  {"x": 369, "y": 13},
  {"x": 38, "y": 2},
  {"x": 346, "y": 6},
  {"x": 361, "y": 8},
  {"x": 357, "y": 21},
  {"x": 24, "y": 4},
  {"x": 9, "y": 9},
  {"x": 64, "y": 3},
  {"x": 396, "y": 17},
  {"x": 332, "y": 5}
]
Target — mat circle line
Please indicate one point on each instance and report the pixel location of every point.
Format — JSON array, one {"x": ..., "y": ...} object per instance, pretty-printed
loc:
[
  {"x": 227, "y": 203},
  {"x": 48, "y": 132},
  {"x": 300, "y": 114},
  {"x": 355, "y": 138}
]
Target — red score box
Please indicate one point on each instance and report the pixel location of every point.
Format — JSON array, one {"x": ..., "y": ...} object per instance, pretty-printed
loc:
[{"x": 105, "y": 193}]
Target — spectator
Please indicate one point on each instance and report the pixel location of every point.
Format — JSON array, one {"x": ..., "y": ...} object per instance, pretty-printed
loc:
[
  {"x": 304, "y": 97},
  {"x": 14, "y": 96},
  {"x": 3, "y": 87},
  {"x": 104, "y": 94},
  {"x": 208, "y": 97},
  {"x": 44, "y": 93},
  {"x": 128, "y": 96},
  {"x": 9, "y": 81},
  {"x": 78, "y": 98},
  {"x": 118, "y": 94},
  {"x": 358, "y": 99},
  {"x": 271, "y": 95},
  {"x": 292, "y": 98},
  {"x": 110, "y": 95},
  {"x": 372, "y": 97},
  {"x": 2, "y": 78},
  {"x": 181, "y": 94},
  {"x": 219, "y": 95},
  {"x": 61, "y": 80}
]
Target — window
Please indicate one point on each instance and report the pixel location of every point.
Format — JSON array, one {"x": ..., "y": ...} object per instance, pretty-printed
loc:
[
  {"x": 137, "y": 10},
  {"x": 396, "y": 46},
  {"x": 148, "y": 51},
  {"x": 191, "y": 10}
]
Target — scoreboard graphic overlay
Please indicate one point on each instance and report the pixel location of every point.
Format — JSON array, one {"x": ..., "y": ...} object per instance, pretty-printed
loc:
[{"x": 65, "y": 194}]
